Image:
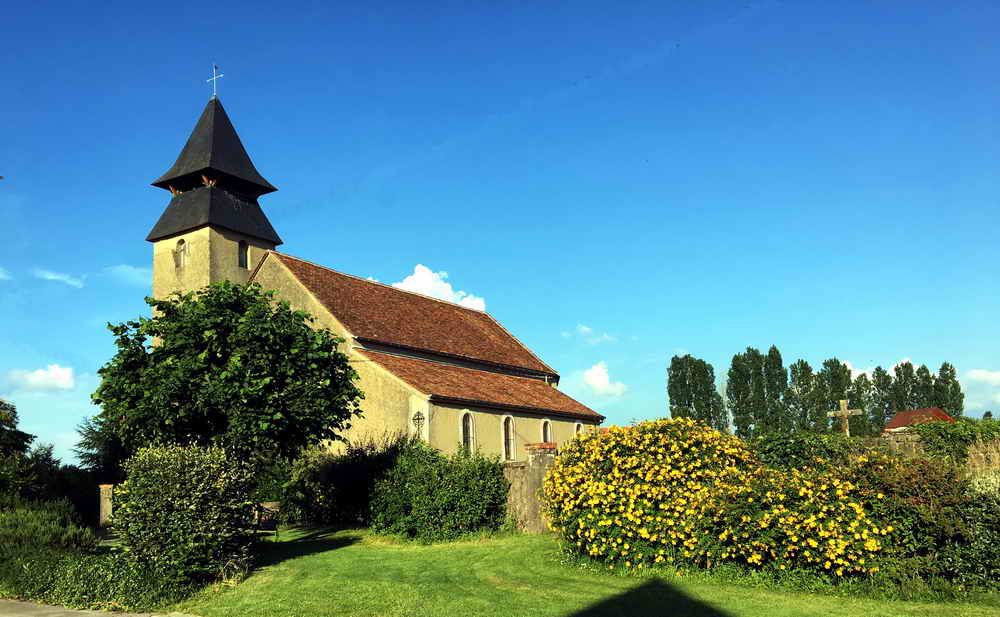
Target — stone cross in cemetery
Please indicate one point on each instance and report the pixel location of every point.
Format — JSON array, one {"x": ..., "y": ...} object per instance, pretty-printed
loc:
[{"x": 844, "y": 413}]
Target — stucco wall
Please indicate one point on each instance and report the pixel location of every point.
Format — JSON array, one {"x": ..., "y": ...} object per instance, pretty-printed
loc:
[
  {"x": 209, "y": 255},
  {"x": 487, "y": 426}
]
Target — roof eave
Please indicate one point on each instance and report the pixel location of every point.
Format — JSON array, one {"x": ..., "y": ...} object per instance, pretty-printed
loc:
[{"x": 438, "y": 398}]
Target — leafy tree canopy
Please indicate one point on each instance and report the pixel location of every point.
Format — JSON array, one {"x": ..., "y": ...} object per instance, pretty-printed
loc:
[{"x": 226, "y": 366}]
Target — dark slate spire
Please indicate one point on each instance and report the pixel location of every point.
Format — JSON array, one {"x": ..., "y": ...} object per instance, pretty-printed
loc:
[
  {"x": 215, "y": 151},
  {"x": 214, "y": 183}
]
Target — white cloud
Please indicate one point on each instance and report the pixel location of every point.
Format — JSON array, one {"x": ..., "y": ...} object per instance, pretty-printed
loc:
[
  {"x": 48, "y": 275},
  {"x": 983, "y": 375},
  {"x": 131, "y": 275},
  {"x": 598, "y": 381},
  {"x": 589, "y": 335},
  {"x": 430, "y": 283},
  {"x": 53, "y": 377},
  {"x": 5, "y": 275}
]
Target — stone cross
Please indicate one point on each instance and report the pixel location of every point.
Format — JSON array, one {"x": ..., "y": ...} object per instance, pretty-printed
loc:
[
  {"x": 213, "y": 78},
  {"x": 844, "y": 413}
]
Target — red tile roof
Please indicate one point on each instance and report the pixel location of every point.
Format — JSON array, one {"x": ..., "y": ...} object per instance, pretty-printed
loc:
[
  {"x": 378, "y": 312},
  {"x": 448, "y": 383},
  {"x": 917, "y": 416}
]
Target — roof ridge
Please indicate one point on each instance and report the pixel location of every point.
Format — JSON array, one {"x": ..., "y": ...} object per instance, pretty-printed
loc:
[{"x": 367, "y": 280}]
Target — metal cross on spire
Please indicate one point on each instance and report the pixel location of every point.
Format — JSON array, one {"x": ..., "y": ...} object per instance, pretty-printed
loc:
[{"x": 213, "y": 78}]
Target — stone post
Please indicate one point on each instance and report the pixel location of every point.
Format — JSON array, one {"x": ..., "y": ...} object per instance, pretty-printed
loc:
[
  {"x": 105, "y": 516},
  {"x": 524, "y": 501}
]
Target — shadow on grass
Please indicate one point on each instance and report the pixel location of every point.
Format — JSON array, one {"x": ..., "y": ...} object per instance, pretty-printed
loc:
[
  {"x": 318, "y": 540},
  {"x": 653, "y": 598}
]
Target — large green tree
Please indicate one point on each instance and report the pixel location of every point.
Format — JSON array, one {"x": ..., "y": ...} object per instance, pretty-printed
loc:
[
  {"x": 227, "y": 365},
  {"x": 833, "y": 382},
  {"x": 860, "y": 396},
  {"x": 904, "y": 384},
  {"x": 692, "y": 393},
  {"x": 923, "y": 388}
]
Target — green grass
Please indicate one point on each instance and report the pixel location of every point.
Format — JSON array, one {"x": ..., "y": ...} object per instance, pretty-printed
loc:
[{"x": 358, "y": 574}]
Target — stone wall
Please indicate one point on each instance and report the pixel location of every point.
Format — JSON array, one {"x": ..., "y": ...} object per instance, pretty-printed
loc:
[
  {"x": 524, "y": 502},
  {"x": 901, "y": 443}
]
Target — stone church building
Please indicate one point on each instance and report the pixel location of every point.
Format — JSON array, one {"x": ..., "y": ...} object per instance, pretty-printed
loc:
[{"x": 451, "y": 374}]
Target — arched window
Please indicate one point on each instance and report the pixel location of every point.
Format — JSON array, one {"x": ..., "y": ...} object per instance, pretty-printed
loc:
[
  {"x": 578, "y": 428},
  {"x": 180, "y": 254},
  {"x": 467, "y": 442},
  {"x": 244, "y": 254},
  {"x": 508, "y": 438},
  {"x": 546, "y": 431}
]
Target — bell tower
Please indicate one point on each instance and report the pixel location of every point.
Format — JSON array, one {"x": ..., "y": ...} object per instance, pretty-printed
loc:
[{"x": 213, "y": 228}]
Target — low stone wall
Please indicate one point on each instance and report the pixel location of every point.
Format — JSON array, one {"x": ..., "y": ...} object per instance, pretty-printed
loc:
[
  {"x": 524, "y": 501},
  {"x": 902, "y": 443}
]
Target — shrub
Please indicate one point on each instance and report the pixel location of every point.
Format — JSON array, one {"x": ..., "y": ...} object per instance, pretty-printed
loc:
[
  {"x": 29, "y": 525},
  {"x": 953, "y": 440},
  {"x": 676, "y": 490},
  {"x": 107, "y": 581},
  {"x": 186, "y": 511},
  {"x": 429, "y": 496},
  {"x": 333, "y": 488},
  {"x": 800, "y": 449}
]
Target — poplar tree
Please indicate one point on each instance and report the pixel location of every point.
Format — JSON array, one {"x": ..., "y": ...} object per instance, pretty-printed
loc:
[
  {"x": 948, "y": 392},
  {"x": 923, "y": 388},
  {"x": 775, "y": 378},
  {"x": 800, "y": 396},
  {"x": 860, "y": 397},
  {"x": 883, "y": 406},
  {"x": 903, "y": 385},
  {"x": 692, "y": 394},
  {"x": 739, "y": 395},
  {"x": 834, "y": 380}
]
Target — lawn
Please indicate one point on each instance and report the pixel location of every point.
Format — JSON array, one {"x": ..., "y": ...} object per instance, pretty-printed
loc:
[{"x": 355, "y": 573}]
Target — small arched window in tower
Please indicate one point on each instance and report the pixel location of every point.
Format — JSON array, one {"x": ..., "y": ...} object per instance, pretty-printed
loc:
[
  {"x": 180, "y": 254},
  {"x": 508, "y": 438},
  {"x": 578, "y": 429},
  {"x": 546, "y": 431},
  {"x": 467, "y": 432},
  {"x": 244, "y": 254}
]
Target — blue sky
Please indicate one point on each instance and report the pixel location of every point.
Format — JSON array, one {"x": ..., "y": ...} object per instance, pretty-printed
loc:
[{"x": 618, "y": 182}]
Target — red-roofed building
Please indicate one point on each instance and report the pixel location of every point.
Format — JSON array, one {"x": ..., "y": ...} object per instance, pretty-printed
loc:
[
  {"x": 905, "y": 419},
  {"x": 448, "y": 373}
]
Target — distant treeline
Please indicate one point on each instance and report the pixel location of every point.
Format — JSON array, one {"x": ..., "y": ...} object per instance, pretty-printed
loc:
[{"x": 763, "y": 396}]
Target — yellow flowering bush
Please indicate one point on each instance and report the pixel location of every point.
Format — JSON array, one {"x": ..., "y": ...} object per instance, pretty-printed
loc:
[{"x": 679, "y": 491}]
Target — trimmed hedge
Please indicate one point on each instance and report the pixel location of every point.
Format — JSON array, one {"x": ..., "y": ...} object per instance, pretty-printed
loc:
[
  {"x": 186, "y": 511},
  {"x": 432, "y": 497},
  {"x": 106, "y": 581}
]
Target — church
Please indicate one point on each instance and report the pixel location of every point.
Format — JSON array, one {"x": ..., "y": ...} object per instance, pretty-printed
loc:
[{"x": 452, "y": 375}]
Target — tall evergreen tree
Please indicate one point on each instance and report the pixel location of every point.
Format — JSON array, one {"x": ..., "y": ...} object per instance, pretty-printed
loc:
[
  {"x": 883, "y": 406},
  {"x": 923, "y": 388},
  {"x": 903, "y": 385},
  {"x": 800, "y": 396},
  {"x": 692, "y": 392},
  {"x": 775, "y": 378},
  {"x": 948, "y": 393},
  {"x": 12, "y": 441}
]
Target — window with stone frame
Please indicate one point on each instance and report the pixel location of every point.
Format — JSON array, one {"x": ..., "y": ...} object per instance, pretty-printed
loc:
[
  {"x": 244, "y": 254},
  {"x": 508, "y": 438},
  {"x": 467, "y": 440}
]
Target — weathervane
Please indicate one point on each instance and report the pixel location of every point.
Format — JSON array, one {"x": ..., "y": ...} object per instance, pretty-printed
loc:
[{"x": 213, "y": 78}]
